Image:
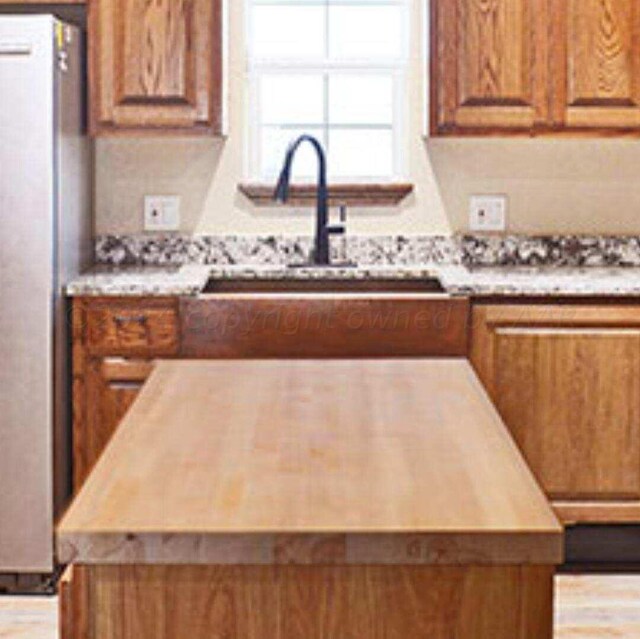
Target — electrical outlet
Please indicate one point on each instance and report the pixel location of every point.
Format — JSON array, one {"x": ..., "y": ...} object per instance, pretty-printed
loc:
[
  {"x": 488, "y": 212},
  {"x": 162, "y": 213}
]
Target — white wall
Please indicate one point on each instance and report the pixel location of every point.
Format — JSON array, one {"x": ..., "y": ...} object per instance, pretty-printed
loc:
[{"x": 578, "y": 186}]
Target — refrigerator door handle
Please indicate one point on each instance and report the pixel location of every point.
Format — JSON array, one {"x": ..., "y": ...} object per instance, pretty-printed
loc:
[{"x": 15, "y": 48}]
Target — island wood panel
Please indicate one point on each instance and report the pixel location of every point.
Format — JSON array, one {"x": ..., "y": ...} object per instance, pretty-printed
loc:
[
  {"x": 565, "y": 380},
  {"x": 297, "y": 602},
  {"x": 489, "y": 65},
  {"x": 596, "y": 63},
  {"x": 302, "y": 447},
  {"x": 156, "y": 67},
  {"x": 320, "y": 325}
]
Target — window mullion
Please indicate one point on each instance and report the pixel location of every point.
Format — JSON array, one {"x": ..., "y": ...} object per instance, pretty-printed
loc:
[{"x": 263, "y": 159}]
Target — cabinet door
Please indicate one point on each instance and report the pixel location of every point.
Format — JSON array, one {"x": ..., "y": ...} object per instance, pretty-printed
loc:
[
  {"x": 112, "y": 384},
  {"x": 597, "y": 62},
  {"x": 566, "y": 380},
  {"x": 489, "y": 65},
  {"x": 156, "y": 66}
]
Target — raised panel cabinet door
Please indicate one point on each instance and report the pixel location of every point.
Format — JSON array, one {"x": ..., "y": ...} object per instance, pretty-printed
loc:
[
  {"x": 112, "y": 385},
  {"x": 597, "y": 64},
  {"x": 568, "y": 388},
  {"x": 489, "y": 65},
  {"x": 156, "y": 66}
]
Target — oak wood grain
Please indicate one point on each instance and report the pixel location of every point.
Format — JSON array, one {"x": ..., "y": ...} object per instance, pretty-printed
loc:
[
  {"x": 132, "y": 327},
  {"x": 156, "y": 67},
  {"x": 565, "y": 381},
  {"x": 489, "y": 65},
  {"x": 597, "y": 512},
  {"x": 113, "y": 341},
  {"x": 296, "y": 602},
  {"x": 597, "y": 61},
  {"x": 347, "y": 194},
  {"x": 313, "y": 447}
]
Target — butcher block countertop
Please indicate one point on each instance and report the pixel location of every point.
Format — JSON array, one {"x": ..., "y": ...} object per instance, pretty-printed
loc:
[{"x": 311, "y": 462}]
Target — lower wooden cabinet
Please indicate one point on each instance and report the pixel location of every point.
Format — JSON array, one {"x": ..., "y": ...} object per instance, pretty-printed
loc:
[
  {"x": 112, "y": 384},
  {"x": 114, "y": 344},
  {"x": 566, "y": 380}
]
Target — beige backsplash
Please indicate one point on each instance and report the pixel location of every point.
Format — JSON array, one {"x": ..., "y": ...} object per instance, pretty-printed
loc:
[{"x": 554, "y": 186}]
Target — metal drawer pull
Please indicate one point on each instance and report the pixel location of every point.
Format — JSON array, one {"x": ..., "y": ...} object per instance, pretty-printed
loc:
[
  {"x": 130, "y": 319},
  {"x": 15, "y": 48}
]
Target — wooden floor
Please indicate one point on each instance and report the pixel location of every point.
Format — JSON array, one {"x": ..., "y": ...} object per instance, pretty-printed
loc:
[{"x": 588, "y": 607}]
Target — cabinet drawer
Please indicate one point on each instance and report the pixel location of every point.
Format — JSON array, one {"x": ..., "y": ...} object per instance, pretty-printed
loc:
[{"x": 149, "y": 328}]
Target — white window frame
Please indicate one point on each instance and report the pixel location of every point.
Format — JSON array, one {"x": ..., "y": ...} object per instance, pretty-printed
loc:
[{"x": 396, "y": 68}]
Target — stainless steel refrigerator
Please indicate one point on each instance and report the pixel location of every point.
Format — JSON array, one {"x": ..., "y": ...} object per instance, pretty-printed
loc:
[{"x": 45, "y": 169}]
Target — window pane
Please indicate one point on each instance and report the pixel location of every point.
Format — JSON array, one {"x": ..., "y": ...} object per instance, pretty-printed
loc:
[
  {"x": 365, "y": 32},
  {"x": 292, "y": 99},
  {"x": 288, "y": 31},
  {"x": 361, "y": 153},
  {"x": 274, "y": 142},
  {"x": 360, "y": 99}
]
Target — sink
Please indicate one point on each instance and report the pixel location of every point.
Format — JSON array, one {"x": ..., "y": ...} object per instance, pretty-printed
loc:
[{"x": 429, "y": 285}]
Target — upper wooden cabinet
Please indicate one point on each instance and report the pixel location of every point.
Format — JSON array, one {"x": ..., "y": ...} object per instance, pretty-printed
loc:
[
  {"x": 156, "y": 66},
  {"x": 489, "y": 66},
  {"x": 535, "y": 67},
  {"x": 598, "y": 64}
]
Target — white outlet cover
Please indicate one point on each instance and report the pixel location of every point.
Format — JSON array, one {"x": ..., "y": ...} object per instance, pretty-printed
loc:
[
  {"x": 162, "y": 213},
  {"x": 488, "y": 212}
]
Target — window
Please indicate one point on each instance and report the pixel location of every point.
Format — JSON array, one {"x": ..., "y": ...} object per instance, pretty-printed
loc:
[{"x": 335, "y": 69}]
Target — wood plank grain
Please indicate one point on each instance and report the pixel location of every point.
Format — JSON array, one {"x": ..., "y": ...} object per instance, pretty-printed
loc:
[
  {"x": 603, "y": 61},
  {"x": 370, "y": 194},
  {"x": 564, "y": 379},
  {"x": 597, "y": 512},
  {"x": 141, "y": 327},
  {"x": 157, "y": 67},
  {"x": 296, "y": 602},
  {"x": 489, "y": 67},
  {"x": 306, "y": 447}
]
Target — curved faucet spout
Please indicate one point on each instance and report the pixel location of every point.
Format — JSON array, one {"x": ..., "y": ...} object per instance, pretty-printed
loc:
[{"x": 281, "y": 194}]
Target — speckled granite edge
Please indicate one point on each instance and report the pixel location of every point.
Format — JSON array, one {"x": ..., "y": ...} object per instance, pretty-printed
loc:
[
  {"x": 178, "y": 250},
  {"x": 564, "y": 250},
  {"x": 468, "y": 250},
  {"x": 456, "y": 279}
]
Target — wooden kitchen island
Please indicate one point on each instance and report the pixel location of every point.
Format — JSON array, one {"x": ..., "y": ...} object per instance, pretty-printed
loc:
[{"x": 336, "y": 499}]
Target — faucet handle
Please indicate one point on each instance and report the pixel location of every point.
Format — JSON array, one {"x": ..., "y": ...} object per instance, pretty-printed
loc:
[{"x": 336, "y": 229}]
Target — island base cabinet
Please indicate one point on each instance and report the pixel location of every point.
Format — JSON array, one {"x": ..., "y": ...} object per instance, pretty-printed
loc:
[
  {"x": 315, "y": 602},
  {"x": 73, "y": 603}
]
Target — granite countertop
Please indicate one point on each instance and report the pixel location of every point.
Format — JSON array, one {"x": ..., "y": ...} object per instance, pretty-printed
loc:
[{"x": 456, "y": 279}]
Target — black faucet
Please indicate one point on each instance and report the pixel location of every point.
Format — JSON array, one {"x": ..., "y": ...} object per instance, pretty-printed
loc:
[{"x": 320, "y": 255}]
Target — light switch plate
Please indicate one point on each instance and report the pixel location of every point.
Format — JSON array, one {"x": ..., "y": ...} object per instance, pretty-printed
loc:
[
  {"x": 488, "y": 213},
  {"x": 162, "y": 213}
]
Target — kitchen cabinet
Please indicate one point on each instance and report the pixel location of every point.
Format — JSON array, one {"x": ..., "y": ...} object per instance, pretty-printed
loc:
[
  {"x": 488, "y": 65},
  {"x": 156, "y": 67},
  {"x": 115, "y": 341},
  {"x": 565, "y": 380},
  {"x": 596, "y": 58},
  {"x": 535, "y": 67}
]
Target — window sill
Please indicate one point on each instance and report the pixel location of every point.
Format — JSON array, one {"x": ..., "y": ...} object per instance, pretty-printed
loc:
[{"x": 359, "y": 195}]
